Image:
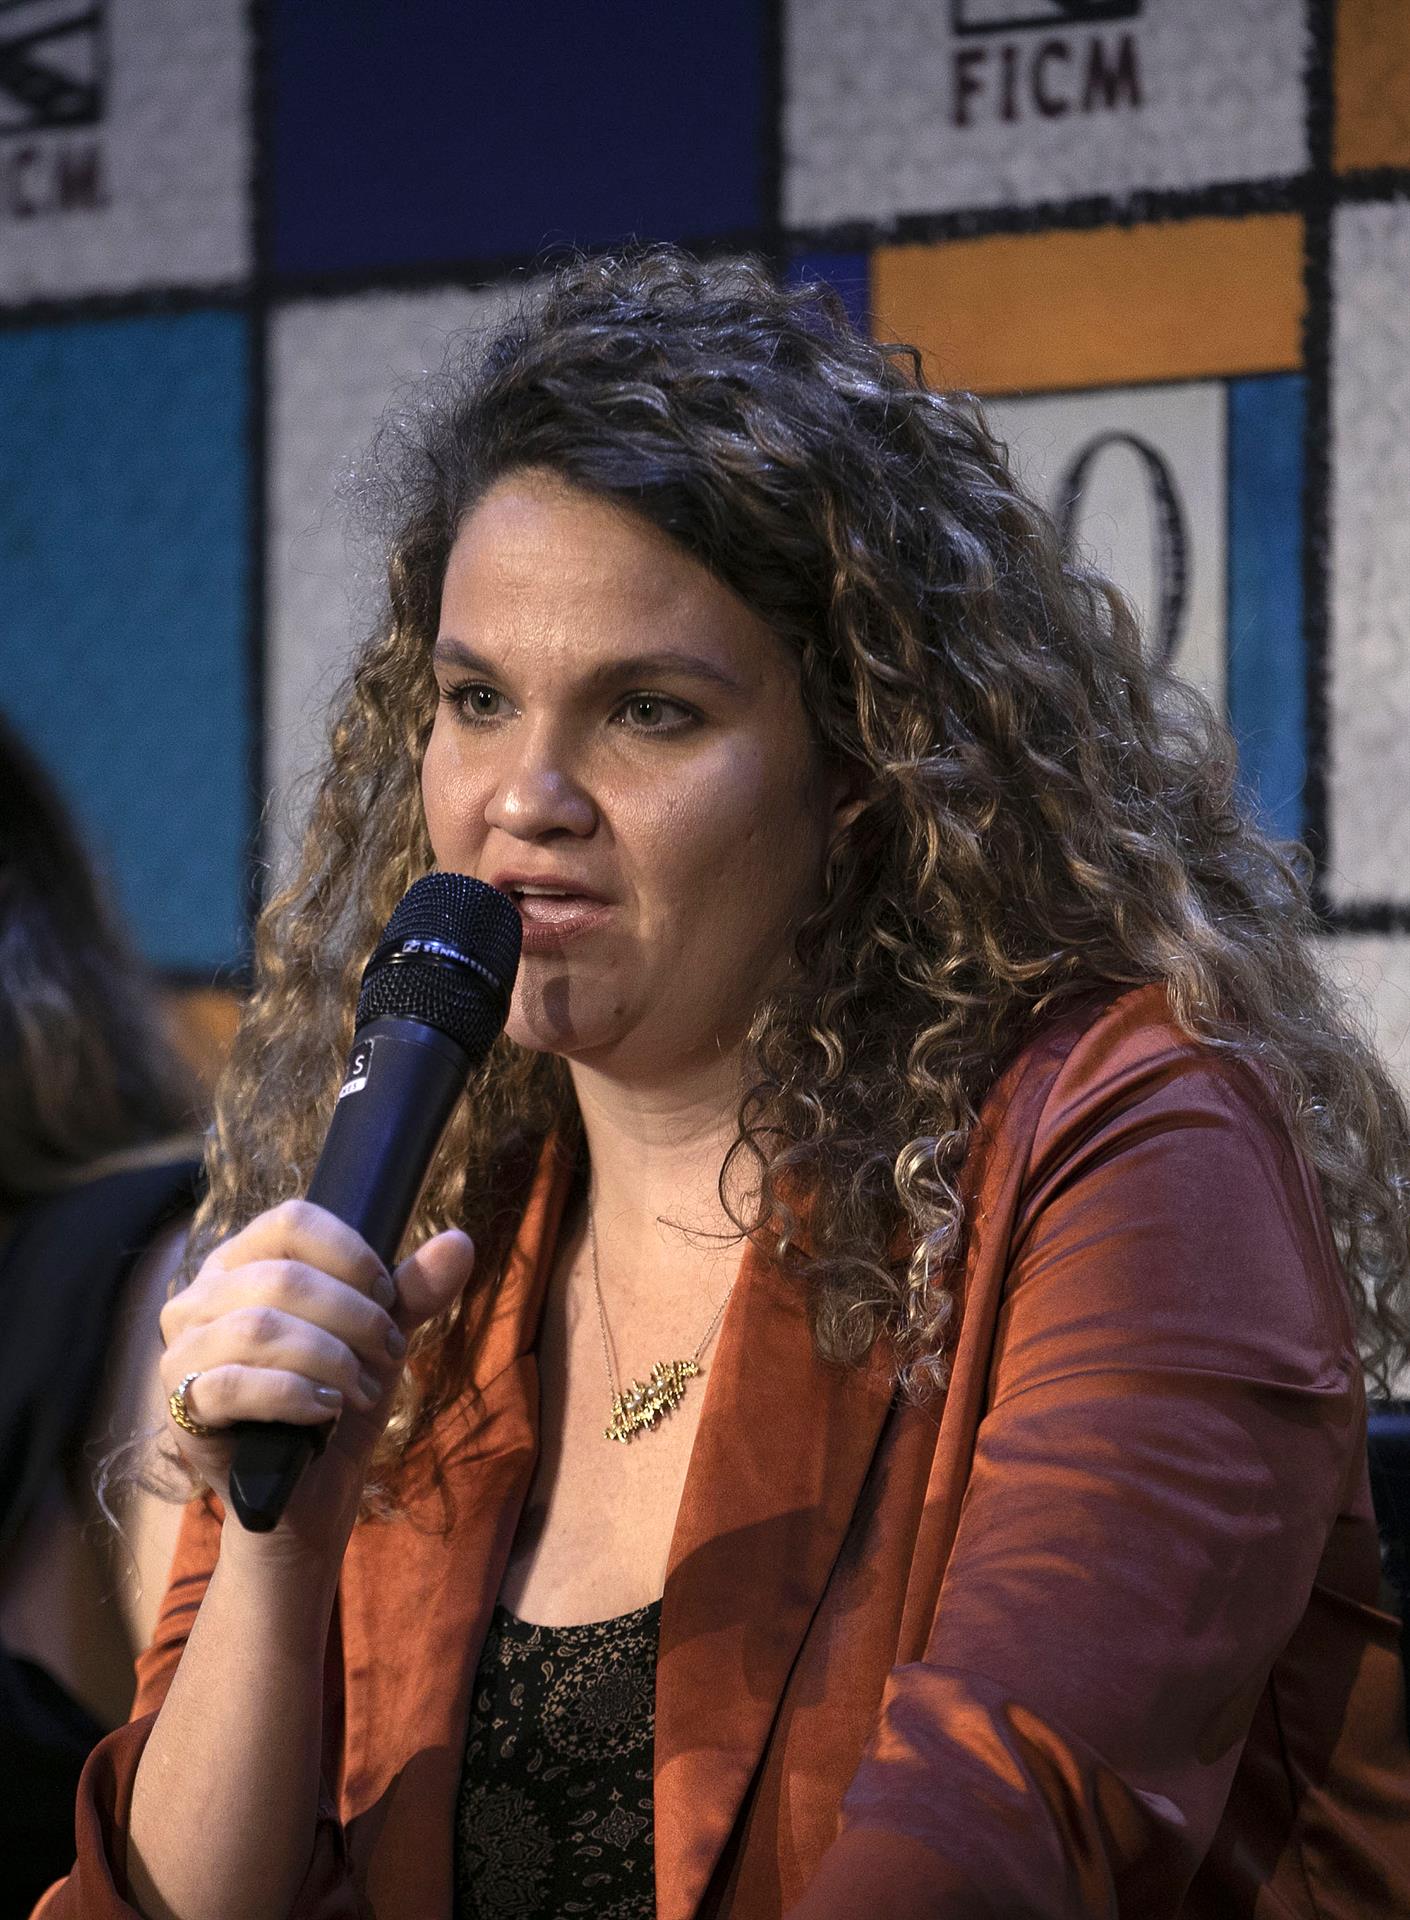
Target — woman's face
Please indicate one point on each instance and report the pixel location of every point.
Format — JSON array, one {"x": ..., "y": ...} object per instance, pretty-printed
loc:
[{"x": 620, "y": 744}]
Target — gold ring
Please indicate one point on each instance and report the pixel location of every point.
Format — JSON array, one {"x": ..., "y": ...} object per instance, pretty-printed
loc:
[{"x": 181, "y": 1413}]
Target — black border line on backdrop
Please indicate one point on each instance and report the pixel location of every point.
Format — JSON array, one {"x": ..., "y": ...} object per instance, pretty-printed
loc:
[
  {"x": 1227, "y": 199},
  {"x": 1373, "y": 183},
  {"x": 142, "y": 303},
  {"x": 1285, "y": 195},
  {"x": 1296, "y": 193},
  {"x": 1318, "y": 95},
  {"x": 1375, "y": 916}
]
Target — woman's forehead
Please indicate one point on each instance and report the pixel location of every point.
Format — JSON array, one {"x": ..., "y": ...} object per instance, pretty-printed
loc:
[
  {"x": 545, "y": 567},
  {"x": 534, "y": 527}
]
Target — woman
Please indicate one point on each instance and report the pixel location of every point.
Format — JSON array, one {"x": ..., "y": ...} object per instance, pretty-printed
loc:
[
  {"x": 95, "y": 1168},
  {"x": 1008, "y": 1548}
]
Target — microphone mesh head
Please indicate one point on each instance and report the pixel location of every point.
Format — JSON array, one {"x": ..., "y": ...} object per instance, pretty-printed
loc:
[{"x": 461, "y": 981}]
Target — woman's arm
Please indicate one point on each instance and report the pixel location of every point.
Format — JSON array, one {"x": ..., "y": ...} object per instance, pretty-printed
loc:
[
  {"x": 283, "y": 1322},
  {"x": 225, "y": 1804},
  {"x": 1173, "y": 1417}
]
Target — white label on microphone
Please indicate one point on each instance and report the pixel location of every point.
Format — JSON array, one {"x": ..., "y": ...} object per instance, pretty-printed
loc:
[{"x": 358, "y": 1068}]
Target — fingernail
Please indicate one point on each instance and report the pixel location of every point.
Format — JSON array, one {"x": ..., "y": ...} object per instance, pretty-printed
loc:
[
  {"x": 384, "y": 1291},
  {"x": 329, "y": 1397},
  {"x": 370, "y": 1386},
  {"x": 396, "y": 1342}
]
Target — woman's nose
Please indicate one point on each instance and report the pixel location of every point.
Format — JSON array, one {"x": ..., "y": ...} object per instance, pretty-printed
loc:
[{"x": 540, "y": 793}]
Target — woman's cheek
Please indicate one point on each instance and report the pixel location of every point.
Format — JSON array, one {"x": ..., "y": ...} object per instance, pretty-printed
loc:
[
  {"x": 432, "y": 783},
  {"x": 449, "y": 803}
]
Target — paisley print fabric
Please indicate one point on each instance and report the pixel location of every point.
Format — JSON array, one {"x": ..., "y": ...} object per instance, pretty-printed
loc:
[{"x": 554, "y": 1814}]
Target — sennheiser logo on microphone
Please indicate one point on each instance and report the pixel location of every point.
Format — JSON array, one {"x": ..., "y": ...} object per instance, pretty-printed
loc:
[
  {"x": 437, "y": 949},
  {"x": 358, "y": 1067}
]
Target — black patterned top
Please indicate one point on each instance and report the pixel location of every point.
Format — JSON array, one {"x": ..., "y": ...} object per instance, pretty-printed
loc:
[{"x": 554, "y": 1814}]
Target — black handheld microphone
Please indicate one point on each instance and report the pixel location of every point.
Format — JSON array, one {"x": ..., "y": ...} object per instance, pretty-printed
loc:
[{"x": 435, "y": 996}]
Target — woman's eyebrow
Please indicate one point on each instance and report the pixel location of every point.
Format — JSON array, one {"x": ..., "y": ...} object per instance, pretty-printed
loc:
[
  {"x": 637, "y": 666},
  {"x": 668, "y": 661},
  {"x": 454, "y": 653}
]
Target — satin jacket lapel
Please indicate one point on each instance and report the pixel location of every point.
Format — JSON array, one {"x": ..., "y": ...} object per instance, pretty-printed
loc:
[
  {"x": 780, "y": 1455},
  {"x": 417, "y": 1591}
]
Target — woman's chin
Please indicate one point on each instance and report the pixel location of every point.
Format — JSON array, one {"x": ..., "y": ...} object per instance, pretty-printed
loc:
[{"x": 551, "y": 1024}]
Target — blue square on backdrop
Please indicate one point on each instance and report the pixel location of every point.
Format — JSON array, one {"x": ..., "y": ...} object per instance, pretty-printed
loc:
[
  {"x": 409, "y": 132},
  {"x": 123, "y": 527},
  {"x": 1267, "y": 648}
]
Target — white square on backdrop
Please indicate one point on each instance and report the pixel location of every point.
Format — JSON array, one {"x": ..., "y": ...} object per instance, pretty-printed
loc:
[
  {"x": 927, "y": 106},
  {"x": 335, "y": 366},
  {"x": 125, "y": 149},
  {"x": 1368, "y": 773},
  {"x": 1137, "y": 452}
]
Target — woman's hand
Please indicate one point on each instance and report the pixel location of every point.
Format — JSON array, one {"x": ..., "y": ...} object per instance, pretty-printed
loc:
[{"x": 296, "y": 1319}]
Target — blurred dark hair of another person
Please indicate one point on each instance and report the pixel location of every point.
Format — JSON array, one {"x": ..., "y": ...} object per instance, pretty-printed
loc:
[{"x": 98, "y": 1168}]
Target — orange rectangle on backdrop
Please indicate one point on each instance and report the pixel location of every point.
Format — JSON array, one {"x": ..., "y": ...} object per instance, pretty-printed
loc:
[
  {"x": 1043, "y": 311},
  {"x": 1371, "y": 83}
]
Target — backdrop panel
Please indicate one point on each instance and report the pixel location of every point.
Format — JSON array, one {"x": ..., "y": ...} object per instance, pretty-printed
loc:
[
  {"x": 336, "y": 366},
  {"x": 1161, "y": 301},
  {"x": 124, "y": 145},
  {"x": 1267, "y": 652},
  {"x": 923, "y": 106},
  {"x": 1374, "y": 973},
  {"x": 1141, "y": 473},
  {"x": 1371, "y": 70},
  {"x": 1369, "y": 854},
  {"x": 123, "y": 553},
  {"x": 430, "y": 132}
]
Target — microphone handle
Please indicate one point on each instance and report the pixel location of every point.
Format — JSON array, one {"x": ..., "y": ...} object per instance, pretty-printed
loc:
[{"x": 403, "y": 1079}]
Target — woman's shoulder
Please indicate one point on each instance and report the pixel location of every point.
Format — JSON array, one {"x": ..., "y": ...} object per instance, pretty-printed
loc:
[
  {"x": 1160, "y": 1195},
  {"x": 1114, "y": 1053}
]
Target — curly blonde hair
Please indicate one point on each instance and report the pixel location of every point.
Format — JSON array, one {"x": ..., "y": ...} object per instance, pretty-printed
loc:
[{"x": 1047, "y": 813}]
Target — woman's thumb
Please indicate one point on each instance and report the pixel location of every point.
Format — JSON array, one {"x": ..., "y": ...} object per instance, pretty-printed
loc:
[{"x": 430, "y": 1278}]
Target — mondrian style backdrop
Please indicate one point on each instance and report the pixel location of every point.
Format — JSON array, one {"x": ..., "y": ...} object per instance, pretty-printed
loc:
[{"x": 1169, "y": 241}]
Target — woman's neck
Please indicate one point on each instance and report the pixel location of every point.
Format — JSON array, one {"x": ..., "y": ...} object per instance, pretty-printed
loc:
[{"x": 656, "y": 1154}]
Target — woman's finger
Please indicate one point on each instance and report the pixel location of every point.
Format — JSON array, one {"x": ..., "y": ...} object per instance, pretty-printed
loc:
[
  {"x": 292, "y": 1288},
  {"x": 218, "y": 1396},
  {"x": 298, "y": 1230},
  {"x": 257, "y": 1337},
  {"x": 431, "y": 1278}
]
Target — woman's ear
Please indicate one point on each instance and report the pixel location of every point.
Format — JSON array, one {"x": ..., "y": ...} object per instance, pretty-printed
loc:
[{"x": 849, "y": 788}]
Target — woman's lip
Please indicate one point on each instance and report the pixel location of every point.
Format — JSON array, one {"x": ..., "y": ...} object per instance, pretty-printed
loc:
[
  {"x": 547, "y": 886},
  {"x": 551, "y": 920}
]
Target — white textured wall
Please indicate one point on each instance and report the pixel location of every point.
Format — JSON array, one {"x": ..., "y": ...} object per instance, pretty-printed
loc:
[
  {"x": 173, "y": 158},
  {"x": 1373, "y": 970},
  {"x": 335, "y": 366},
  {"x": 889, "y": 111},
  {"x": 1369, "y": 747},
  {"x": 1117, "y": 528}
]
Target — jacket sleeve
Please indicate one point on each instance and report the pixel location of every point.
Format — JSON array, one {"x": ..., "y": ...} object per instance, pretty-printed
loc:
[
  {"x": 1175, "y": 1408},
  {"x": 97, "y": 1888}
]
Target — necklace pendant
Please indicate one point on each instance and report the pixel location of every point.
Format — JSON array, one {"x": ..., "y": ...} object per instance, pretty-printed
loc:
[{"x": 644, "y": 1402}]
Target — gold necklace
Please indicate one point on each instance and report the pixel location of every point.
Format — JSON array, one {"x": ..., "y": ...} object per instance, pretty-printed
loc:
[{"x": 645, "y": 1402}]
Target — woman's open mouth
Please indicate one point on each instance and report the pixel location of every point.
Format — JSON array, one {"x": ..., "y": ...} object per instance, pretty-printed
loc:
[{"x": 553, "y": 915}]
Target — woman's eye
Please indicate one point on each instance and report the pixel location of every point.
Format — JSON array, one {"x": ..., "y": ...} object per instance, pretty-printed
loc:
[
  {"x": 474, "y": 701},
  {"x": 650, "y": 713}
]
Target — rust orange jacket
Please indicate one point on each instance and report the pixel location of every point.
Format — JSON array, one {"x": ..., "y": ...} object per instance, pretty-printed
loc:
[{"x": 1097, "y": 1634}]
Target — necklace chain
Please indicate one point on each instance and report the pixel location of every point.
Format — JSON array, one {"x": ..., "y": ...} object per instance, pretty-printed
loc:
[{"x": 639, "y": 1406}]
